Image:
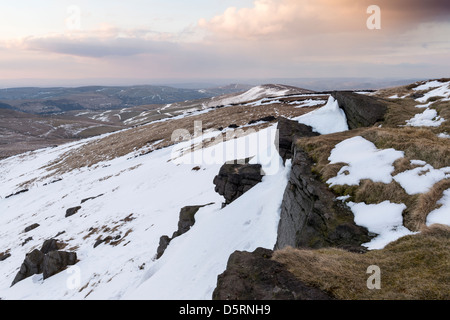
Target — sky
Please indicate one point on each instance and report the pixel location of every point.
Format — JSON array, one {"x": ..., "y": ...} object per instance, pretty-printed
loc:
[{"x": 47, "y": 41}]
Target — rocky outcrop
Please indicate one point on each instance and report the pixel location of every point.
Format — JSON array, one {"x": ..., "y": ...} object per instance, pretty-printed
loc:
[
  {"x": 72, "y": 211},
  {"x": 310, "y": 214},
  {"x": 16, "y": 193},
  {"x": 289, "y": 131},
  {"x": 30, "y": 266},
  {"x": 185, "y": 222},
  {"x": 254, "y": 276},
  {"x": 48, "y": 261},
  {"x": 360, "y": 110},
  {"x": 31, "y": 227},
  {"x": 4, "y": 255},
  {"x": 55, "y": 261},
  {"x": 234, "y": 180}
]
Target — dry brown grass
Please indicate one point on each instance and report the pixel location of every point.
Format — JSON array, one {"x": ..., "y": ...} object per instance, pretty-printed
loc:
[
  {"x": 417, "y": 143},
  {"x": 415, "y": 267},
  {"x": 426, "y": 203}
]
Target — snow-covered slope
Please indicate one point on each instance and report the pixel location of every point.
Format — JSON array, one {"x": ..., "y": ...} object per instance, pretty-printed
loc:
[{"x": 135, "y": 198}]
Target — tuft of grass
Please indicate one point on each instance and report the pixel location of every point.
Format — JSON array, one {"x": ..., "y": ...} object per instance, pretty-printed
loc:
[
  {"x": 426, "y": 203},
  {"x": 416, "y": 143},
  {"x": 415, "y": 267}
]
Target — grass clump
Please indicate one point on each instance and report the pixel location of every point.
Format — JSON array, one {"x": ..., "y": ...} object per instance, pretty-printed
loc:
[{"x": 415, "y": 267}]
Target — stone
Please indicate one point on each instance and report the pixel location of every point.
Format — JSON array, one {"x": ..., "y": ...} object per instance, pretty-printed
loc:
[
  {"x": 4, "y": 255},
  {"x": 163, "y": 244},
  {"x": 361, "y": 110},
  {"x": 31, "y": 227},
  {"x": 234, "y": 180},
  {"x": 49, "y": 246},
  {"x": 30, "y": 266},
  {"x": 255, "y": 276},
  {"x": 311, "y": 216},
  {"x": 185, "y": 222},
  {"x": 72, "y": 211},
  {"x": 56, "y": 261},
  {"x": 289, "y": 131}
]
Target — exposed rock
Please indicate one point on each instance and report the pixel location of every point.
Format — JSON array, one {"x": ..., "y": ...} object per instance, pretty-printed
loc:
[
  {"x": 310, "y": 214},
  {"x": 361, "y": 110},
  {"x": 254, "y": 276},
  {"x": 4, "y": 255},
  {"x": 264, "y": 119},
  {"x": 15, "y": 194},
  {"x": 234, "y": 180},
  {"x": 163, "y": 244},
  {"x": 90, "y": 198},
  {"x": 49, "y": 246},
  {"x": 33, "y": 226},
  {"x": 26, "y": 241},
  {"x": 72, "y": 211},
  {"x": 289, "y": 131},
  {"x": 100, "y": 241},
  {"x": 30, "y": 266},
  {"x": 56, "y": 261},
  {"x": 48, "y": 260},
  {"x": 233, "y": 126},
  {"x": 185, "y": 222}
]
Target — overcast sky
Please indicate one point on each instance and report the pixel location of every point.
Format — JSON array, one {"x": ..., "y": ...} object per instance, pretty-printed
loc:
[{"x": 156, "y": 40}]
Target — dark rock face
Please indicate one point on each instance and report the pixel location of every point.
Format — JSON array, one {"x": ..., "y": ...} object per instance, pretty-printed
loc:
[
  {"x": 310, "y": 214},
  {"x": 15, "y": 194},
  {"x": 56, "y": 261},
  {"x": 4, "y": 255},
  {"x": 185, "y": 222},
  {"x": 187, "y": 219},
  {"x": 234, "y": 180},
  {"x": 163, "y": 244},
  {"x": 30, "y": 266},
  {"x": 49, "y": 245},
  {"x": 72, "y": 211},
  {"x": 254, "y": 276},
  {"x": 360, "y": 110},
  {"x": 289, "y": 131},
  {"x": 33, "y": 226},
  {"x": 90, "y": 198},
  {"x": 48, "y": 261}
]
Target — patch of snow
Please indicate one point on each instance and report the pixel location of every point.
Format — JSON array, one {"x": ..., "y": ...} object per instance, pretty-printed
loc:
[
  {"x": 428, "y": 85},
  {"x": 421, "y": 179},
  {"x": 385, "y": 219},
  {"x": 328, "y": 119},
  {"x": 307, "y": 103},
  {"x": 441, "y": 215},
  {"x": 429, "y": 118},
  {"x": 364, "y": 161},
  {"x": 444, "y": 135},
  {"x": 441, "y": 91}
]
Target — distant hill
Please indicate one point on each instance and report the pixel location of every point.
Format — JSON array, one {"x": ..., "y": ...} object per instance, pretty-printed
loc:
[{"x": 56, "y": 100}]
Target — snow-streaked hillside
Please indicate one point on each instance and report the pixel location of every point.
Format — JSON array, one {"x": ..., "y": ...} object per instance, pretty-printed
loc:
[
  {"x": 135, "y": 198},
  {"x": 138, "y": 199}
]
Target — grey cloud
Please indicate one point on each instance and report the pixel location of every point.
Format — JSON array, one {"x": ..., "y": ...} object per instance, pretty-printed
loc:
[{"x": 98, "y": 48}]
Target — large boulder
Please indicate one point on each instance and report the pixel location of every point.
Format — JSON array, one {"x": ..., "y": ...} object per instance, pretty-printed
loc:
[
  {"x": 360, "y": 110},
  {"x": 72, "y": 211},
  {"x": 48, "y": 261},
  {"x": 289, "y": 131},
  {"x": 234, "y": 180},
  {"x": 30, "y": 266},
  {"x": 254, "y": 276},
  {"x": 311, "y": 216},
  {"x": 56, "y": 261}
]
